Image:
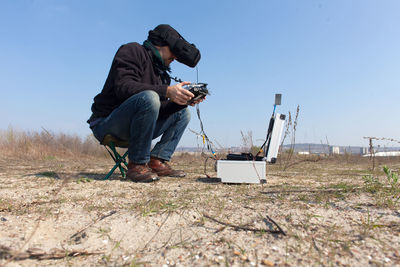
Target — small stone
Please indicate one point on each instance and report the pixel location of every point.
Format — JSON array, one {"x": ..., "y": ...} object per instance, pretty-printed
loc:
[
  {"x": 237, "y": 253},
  {"x": 386, "y": 259},
  {"x": 125, "y": 258},
  {"x": 243, "y": 257},
  {"x": 267, "y": 263},
  {"x": 3, "y": 219},
  {"x": 105, "y": 241}
]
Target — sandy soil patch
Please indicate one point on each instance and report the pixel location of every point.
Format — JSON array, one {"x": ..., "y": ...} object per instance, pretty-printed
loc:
[{"x": 329, "y": 214}]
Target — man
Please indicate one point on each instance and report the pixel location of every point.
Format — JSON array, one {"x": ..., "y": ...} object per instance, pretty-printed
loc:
[{"x": 138, "y": 104}]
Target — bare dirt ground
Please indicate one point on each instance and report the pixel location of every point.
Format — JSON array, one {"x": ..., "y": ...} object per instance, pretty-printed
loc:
[{"x": 57, "y": 212}]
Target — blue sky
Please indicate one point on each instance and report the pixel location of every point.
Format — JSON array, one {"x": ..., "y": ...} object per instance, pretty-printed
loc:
[{"x": 339, "y": 60}]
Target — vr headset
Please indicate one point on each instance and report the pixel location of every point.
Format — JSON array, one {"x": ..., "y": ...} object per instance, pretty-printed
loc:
[{"x": 185, "y": 52}]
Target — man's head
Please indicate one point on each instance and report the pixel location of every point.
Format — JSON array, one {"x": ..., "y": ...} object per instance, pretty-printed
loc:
[
  {"x": 172, "y": 45},
  {"x": 166, "y": 54}
]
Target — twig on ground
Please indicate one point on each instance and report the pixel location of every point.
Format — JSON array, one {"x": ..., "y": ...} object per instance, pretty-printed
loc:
[
  {"x": 194, "y": 233},
  {"x": 158, "y": 230},
  {"x": 222, "y": 228},
  {"x": 39, "y": 254},
  {"x": 238, "y": 227},
  {"x": 102, "y": 217},
  {"x": 280, "y": 229},
  {"x": 166, "y": 242},
  {"x": 315, "y": 245}
]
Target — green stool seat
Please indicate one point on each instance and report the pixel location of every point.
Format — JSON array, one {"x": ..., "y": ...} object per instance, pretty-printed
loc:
[{"x": 111, "y": 143}]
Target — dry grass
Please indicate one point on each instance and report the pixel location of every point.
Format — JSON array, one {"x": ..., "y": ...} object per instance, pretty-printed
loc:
[
  {"x": 47, "y": 145},
  {"x": 332, "y": 214}
]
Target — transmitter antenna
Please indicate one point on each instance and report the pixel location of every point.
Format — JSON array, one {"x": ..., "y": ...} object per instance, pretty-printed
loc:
[{"x": 278, "y": 98}]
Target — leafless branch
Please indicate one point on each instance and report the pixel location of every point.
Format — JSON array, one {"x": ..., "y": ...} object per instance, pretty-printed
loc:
[
  {"x": 102, "y": 217},
  {"x": 39, "y": 254},
  {"x": 238, "y": 227}
]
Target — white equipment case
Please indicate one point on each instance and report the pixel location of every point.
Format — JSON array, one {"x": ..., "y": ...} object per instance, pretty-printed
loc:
[
  {"x": 251, "y": 171},
  {"x": 241, "y": 171}
]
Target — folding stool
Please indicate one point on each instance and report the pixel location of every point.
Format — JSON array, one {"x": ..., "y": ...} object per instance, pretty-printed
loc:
[{"x": 111, "y": 143}]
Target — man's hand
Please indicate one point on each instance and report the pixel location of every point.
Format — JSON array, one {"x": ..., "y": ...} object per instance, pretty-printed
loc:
[
  {"x": 178, "y": 94},
  {"x": 198, "y": 101}
]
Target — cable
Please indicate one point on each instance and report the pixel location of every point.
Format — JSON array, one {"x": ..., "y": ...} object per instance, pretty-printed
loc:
[
  {"x": 176, "y": 79},
  {"x": 269, "y": 133},
  {"x": 202, "y": 132},
  {"x": 204, "y": 135}
]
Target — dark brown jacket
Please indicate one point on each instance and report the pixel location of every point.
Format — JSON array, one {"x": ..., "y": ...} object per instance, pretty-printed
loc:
[{"x": 132, "y": 71}]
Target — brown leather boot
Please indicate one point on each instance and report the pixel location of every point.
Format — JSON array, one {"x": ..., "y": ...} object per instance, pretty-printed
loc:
[
  {"x": 141, "y": 173},
  {"x": 162, "y": 168}
]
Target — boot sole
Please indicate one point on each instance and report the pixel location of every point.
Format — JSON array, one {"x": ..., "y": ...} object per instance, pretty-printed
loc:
[{"x": 148, "y": 180}]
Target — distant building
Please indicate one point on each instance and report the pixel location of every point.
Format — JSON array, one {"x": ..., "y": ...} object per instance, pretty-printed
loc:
[
  {"x": 334, "y": 150},
  {"x": 303, "y": 153},
  {"x": 384, "y": 154},
  {"x": 321, "y": 149}
]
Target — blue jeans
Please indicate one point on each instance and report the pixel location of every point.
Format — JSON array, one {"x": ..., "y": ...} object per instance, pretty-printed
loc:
[{"x": 136, "y": 120}]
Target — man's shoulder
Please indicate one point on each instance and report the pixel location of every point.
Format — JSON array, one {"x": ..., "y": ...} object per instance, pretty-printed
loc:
[
  {"x": 133, "y": 48},
  {"x": 134, "y": 45}
]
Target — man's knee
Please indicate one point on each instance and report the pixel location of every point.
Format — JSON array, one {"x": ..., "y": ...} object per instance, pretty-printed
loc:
[
  {"x": 185, "y": 115},
  {"x": 149, "y": 100}
]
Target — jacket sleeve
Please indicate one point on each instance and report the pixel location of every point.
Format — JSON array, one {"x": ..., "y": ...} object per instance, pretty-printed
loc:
[{"x": 128, "y": 65}]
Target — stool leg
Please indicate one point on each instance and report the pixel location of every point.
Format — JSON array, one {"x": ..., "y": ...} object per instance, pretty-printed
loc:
[
  {"x": 124, "y": 158},
  {"x": 115, "y": 158},
  {"x": 121, "y": 168},
  {"x": 110, "y": 172},
  {"x": 118, "y": 159}
]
